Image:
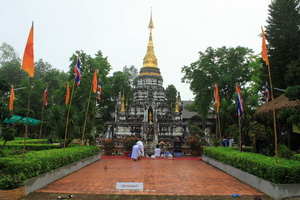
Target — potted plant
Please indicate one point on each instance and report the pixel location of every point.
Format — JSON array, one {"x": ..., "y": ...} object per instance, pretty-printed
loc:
[
  {"x": 128, "y": 142},
  {"x": 196, "y": 142},
  {"x": 108, "y": 146}
]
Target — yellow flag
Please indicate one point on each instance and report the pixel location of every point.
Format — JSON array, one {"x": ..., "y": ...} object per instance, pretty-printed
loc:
[
  {"x": 28, "y": 58},
  {"x": 12, "y": 98},
  {"x": 264, "y": 52},
  {"x": 67, "y": 94},
  {"x": 95, "y": 81}
]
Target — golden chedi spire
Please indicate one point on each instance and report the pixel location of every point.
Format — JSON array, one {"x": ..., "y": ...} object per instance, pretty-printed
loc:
[
  {"x": 123, "y": 103},
  {"x": 150, "y": 59},
  {"x": 177, "y": 105}
]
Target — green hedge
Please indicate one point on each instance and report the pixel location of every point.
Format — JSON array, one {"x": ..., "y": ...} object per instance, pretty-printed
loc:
[
  {"x": 13, "y": 171},
  {"x": 34, "y": 147},
  {"x": 245, "y": 149},
  {"x": 28, "y": 141},
  {"x": 286, "y": 171},
  {"x": 296, "y": 157}
]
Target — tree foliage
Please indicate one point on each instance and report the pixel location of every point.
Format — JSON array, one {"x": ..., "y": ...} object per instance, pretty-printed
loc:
[
  {"x": 171, "y": 94},
  {"x": 283, "y": 35},
  {"x": 227, "y": 67},
  {"x": 7, "y": 54}
]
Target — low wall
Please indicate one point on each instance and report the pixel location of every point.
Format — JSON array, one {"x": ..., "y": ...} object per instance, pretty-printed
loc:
[
  {"x": 41, "y": 181},
  {"x": 276, "y": 191}
]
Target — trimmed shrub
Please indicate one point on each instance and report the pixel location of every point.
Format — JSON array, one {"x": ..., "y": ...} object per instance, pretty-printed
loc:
[
  {"x": 296, "y": 157},
  {"x": 284, "y": 152},
  {"x": 34, "y": 147},
  {"x": 14, "y": 171},
  {"x": 286, "y": 171}
]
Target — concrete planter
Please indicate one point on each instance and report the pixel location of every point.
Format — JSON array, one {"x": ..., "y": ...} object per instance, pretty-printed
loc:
[
  {"x": 41, "y": 181},
  {"x": 276, "y": 191}
]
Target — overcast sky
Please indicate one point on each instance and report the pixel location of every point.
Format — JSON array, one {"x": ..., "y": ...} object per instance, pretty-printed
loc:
[{"x": 119, "y": 28}]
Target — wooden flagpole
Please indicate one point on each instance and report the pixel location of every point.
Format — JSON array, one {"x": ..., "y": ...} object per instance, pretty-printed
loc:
[
  {"x": 274, "y": 117},
  {"x": 86, "y": 114},
  {"x": 41, "y": 127},
  {"x": 240, "y": 133},
  {"x": 266, "y": 59},
  {"x": 67, "y": 120},
  {"x": 26, "y": 125},
  {"x": 219, "y": 124}
]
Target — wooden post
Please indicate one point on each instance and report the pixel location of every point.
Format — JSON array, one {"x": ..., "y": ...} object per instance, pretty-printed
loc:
[
  {"x": 86, "y": 114},
  {"x": 67, "y": 120},
  {"x": 26, "y": 125}
]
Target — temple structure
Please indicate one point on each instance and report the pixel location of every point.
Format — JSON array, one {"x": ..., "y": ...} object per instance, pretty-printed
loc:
[{"x": 149, "y": 116}]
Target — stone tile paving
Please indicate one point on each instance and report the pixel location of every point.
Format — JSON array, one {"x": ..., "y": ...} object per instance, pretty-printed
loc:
[{"x": 182, "y": 179}]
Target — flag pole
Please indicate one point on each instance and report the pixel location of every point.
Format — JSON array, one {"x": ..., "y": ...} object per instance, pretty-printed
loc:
[
  {"x": 41, "y": 127},
  {"x": 219, "y": 124},
  {"x": 274, "y": 117},
  {"x": 86, "y": 114},
  {"x": 67, "y": 120},
  {"x": 266, "y": 59},
  {"x": 240, "y": 133},
  {"x": 94, "y": 86},
  {"x": 26, "y": 125}
]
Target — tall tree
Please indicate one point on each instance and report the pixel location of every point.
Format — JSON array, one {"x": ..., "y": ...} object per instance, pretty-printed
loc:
[
  {"x": 283, "y": 35},
  {"x": 7, "y": 54},
  {"x": 171, "y": 94},
  {"x": 227, "y": 67},
  {"x": 132, "y": 73},
  {"x": 41, "y": 68},
  {"x": 81, "y": 94}
]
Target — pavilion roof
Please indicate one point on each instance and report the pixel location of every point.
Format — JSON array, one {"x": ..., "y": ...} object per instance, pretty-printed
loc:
[{"x": 266, "y": 110}]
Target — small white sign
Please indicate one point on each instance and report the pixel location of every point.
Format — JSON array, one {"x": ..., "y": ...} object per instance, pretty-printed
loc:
[{"x": 129, "y": 186}]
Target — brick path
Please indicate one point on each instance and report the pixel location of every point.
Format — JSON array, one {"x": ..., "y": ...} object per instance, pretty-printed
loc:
[{"x": 160, "y": 177}]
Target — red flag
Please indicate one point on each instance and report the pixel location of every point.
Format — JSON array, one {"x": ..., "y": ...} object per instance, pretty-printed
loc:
[
  {"x": 216, "y": 97},
  {"x": 264, "y": 52},
  {"x": 77, "y": 70},
  {"x": 12, "y": 98},
  {"x": 95, "y": 81},
  {"x": 67, "y": 94},
  {"x": 28, "y": 58},
  {"x": 46, "y": 97}
]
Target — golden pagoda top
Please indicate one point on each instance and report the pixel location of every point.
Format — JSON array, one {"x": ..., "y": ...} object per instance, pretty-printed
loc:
[
  {"x": 123, "y": 103},
  {"x": 150, "y": 59}
]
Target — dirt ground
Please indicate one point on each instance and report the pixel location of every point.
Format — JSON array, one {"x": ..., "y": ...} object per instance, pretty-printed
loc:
[{"x": 52, "y": 196}]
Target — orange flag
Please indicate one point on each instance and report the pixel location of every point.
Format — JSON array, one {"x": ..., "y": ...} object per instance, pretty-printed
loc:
[
  {"x": 216, "y": 97},
  {"x": 264, "y": 52},
  {"x": 12, "y": 98},
  {"x": 28, "y": 58},
  {"x": 95, "y": 81},
  {"x": 67, "y": 94}
]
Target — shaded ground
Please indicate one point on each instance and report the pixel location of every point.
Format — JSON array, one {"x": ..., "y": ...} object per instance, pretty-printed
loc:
[{"x": 52, "y": 196}]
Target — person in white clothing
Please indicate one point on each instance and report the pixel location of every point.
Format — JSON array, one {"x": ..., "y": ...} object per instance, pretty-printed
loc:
[
  {"x": 231, "y": 141},
  {"x": 142, "y": 147},
  {"x": 157, "y": 151},
  {"x": 135, "y": 152}
]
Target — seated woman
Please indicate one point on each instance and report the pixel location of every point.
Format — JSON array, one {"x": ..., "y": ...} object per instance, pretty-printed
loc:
[{"x": 157, "y": 151}]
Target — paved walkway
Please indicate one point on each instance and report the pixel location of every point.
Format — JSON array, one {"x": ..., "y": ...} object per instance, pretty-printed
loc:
[{"x": 160, "y": 177}]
